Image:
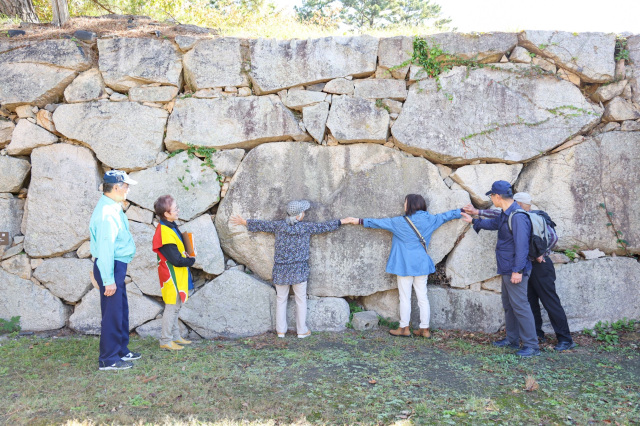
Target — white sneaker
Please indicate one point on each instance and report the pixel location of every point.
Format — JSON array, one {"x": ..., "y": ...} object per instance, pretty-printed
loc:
[
  {"x": 281, "y": 335},
  {"x": 302, "y": 336}
]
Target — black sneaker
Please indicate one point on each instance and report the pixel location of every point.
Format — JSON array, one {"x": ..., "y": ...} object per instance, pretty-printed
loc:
[
  {"x": 132, "y": 356},
  {"x": 505, "y": 343},
  {"x": 118, "y": 365},
  {"x": 564, "y": 346}
]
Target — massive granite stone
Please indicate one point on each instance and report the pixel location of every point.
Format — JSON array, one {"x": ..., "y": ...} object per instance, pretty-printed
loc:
[
  {"x": 124, "y": 135},
  {"x": 477, "y": 179},
  {"x": 323, "y": 314},
  {"x": 571, "y": 184},
  {"x": 194, "y": 186},
  {"x": 381, "y": 88},
  {"x": 157, "y": 94},
  {"x": 143, "y": 269},
  {"x": 242, "y": 122},
  {"x": 33, "y": 84},
  {"x": 473, "y": 259},
  {"x": 209, "y": 256},
  {"x": 315, "y": 118},
  {"x": 589, "y": 55},
  {"x": 131, "y": 62},
  {"x": 484, "y": 48},
  {"x": 357, "y": 120},
  {"x": 60, "y": 53},
  {"x": 394, "y": 51},
  {"x": 27, "y": 136},
  {"x": 88, "y": 86},
  {"x": 221, "y": 308},
  {"x": 215, "y": 63},
  {"x": 153, "y": 329},
  {"x": 363, "y": 180},
  {"x": 456, "y": 125},
  {"x": 298, "y": 98},
  {"x": 280, "y": 64},
  {"x": 68, "y": 279},
  {"x": 65, "y": 180},
  {"x": 37, "y": 308},
  {"x": 588, "y": 290},
  {"x": 227, "y": 161},
  {"x": 11, "y": 210},
  {"x": 13, "y": 172},
  {"x": 86, "y": 316}
]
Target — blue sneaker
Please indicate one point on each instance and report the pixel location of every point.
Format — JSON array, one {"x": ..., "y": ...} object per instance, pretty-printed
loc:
[
  {"x": 564, "y": 346},
  {"x": 505, "y": 343},
  {"x": 526, "y": 352}
]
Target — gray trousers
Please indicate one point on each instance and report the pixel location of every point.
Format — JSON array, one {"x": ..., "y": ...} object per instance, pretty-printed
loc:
[
  {"x": 170, "y": 327},
  {"x": 519, "y": 318}
]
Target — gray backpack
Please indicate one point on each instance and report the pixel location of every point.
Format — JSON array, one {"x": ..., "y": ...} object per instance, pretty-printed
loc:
[{"x": 540, "y": 238}]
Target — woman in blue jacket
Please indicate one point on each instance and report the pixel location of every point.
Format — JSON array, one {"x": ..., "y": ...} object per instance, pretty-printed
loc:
[{"x": 409, "y": 259}]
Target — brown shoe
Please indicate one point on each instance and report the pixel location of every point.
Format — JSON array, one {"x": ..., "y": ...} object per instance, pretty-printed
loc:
[
  {"x": 401, "y": 332},
  {"x": 422, "y": 332}
]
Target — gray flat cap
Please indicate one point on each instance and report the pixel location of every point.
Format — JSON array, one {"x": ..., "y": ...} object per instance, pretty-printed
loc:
[{"x": 294, "y": 208}]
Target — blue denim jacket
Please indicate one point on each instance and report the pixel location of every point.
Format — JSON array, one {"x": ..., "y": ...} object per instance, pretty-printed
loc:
[{"x": 512, "y": 249}]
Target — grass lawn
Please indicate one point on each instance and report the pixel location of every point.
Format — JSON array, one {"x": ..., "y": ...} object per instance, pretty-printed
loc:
[{"x": 328, "y": 378}]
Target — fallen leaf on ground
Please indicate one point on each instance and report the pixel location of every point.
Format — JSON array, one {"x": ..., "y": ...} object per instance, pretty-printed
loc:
[
  {"x": 530, "y": 384},
  {"x": 373, "y": 382},
  {"x": 148, "y": 379}
]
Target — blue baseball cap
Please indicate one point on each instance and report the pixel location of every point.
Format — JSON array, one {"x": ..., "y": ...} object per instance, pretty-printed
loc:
[
  {"x": 118, "y": 176},
  {"x": 500, "y": 187}
]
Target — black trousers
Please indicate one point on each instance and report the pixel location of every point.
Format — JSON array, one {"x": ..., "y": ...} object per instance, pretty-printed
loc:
[{"x": 542, "y": 288}]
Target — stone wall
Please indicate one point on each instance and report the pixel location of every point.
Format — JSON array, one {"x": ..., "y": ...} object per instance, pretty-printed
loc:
[{"x": 336, "y": 121}]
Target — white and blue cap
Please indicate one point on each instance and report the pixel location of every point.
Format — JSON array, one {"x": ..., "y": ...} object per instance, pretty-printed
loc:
[
  {"x": 294, "y": 208},
  {"x": 523, "y": 198},
  {"x": 118, "y": 176}
]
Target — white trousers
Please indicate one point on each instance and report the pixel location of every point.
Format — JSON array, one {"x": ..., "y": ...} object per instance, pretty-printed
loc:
[
  {"x": 404, "y": 289},
  {"x": 282, "y": 295}
]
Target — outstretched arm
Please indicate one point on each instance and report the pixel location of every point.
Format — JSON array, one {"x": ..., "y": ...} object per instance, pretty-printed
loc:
[
  {"x": 253, "y": 225},
  {"x": 236, "y": 219}
]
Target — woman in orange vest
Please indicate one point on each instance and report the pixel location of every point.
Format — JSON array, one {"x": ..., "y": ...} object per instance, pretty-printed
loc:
[{"x": 173, "y": 270}]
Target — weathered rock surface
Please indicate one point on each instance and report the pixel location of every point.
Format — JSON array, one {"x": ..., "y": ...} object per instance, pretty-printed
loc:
[
  {"x": 6, "y": 130},
  {"x": 13, "y": 172},
  {"x": 520, "y": 55},
  {"x": 227, "y": 161},
  {"x": 607, "y": 92},
  {"x": 357, "y": 120},
  {"x": 143, "y": 269},
  {"x": 159, "y": 94},
  {"x": 61, "y": 53},
  {"x": 64, "y": 177},
  {"x": 86, "y": 316},
  {"x": 603, "y": 169},
  {"x": 27, "y": 136},
  {"x": 394, "y": 51},
  {"x": 315, "y": 120},
  {"x": 174, "y": 176},
  {"x": 19, "y": 265},
  {"x": 350, "y": 261},
  {"x": 297, "y": 98},
  {"x": 124, "y": 135},
  {"x": 589, "y": 289},
  {"x": 230, "y": 123},
  {"x": 381, "y": 88},
  {"x": 619, "y": 110},
  {"x": 454, "y": 125},
  {"x": 37, "y": 308},
  {"x": 34, "y": 84},
  {"x": 131, "y": 62},
  {"x": 154, "y": 329},
  {"x": 220, "y": 307},
  {"x": 339, "y": 86},
  {"x": 138, "y": 214},
  {"x": 484, "y": 48},
  {"x": 11, "y": 210},
  {"x": 323, "y": 314},
  {"x": 277, "y": 65},
  {"x": 68, "y": 279},
  {"x": 473, "y": 259},
  {"x": 367, "y": 320},
  {"x": 87, "y": 86},
  {"x": 215, "y": 63},
  {"x": 590, "y": 55},
  {"x": 209, "y": 256},
  {"x": 477, "y": 179}
]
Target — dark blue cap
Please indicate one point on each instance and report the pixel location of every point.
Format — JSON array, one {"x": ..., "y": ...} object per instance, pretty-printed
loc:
[
  {"x": 500, "y": 187},
  {"x": 117, "y": 176}
]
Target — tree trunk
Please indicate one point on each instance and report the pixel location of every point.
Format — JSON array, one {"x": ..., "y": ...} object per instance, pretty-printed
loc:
[
  {"x": 60, "y": 10},
  {"x": 23, "y": 9}
]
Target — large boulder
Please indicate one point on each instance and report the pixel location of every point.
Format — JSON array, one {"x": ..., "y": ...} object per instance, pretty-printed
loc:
[
  {"x": 27, "y": 136},
  {"x": 363, "y": 180},
  {"x": 357, "y": 120},
  {"x": 227, "y": 161},
  {"x": 393, "y": 52},
  {"x": 68, "y": 279},
  {"x": 589, "y": 55},
  {"x": 11, "y": 211},
  {"x": 87, "y": 86},
  {"x": 232, "y": 305},
  {"x": 153, "y": 329},
  {"x": 143, "y": 268},
  {"x": 87, "y": 316},
  {"x": 323, "y": 314},
  {"x": 64, "y": 184},
  {"x": 215, "y": 63},
  {"x": 619, "y": 109},
  {"x": 572, "y": 184},
  {"x": 453, "y": 124},
  {"x": 280, "y": 64},
  {"x": 37, "y": 308},
  {"x": 124, "y": 135},
  {"x": 131, "y": 62},
  {"x": 477, "y": 179},
  {"x": 315, "y": 118},
  {"x": 194, "y": 185},
  {"x": 13, "y": 172},
  {"x": 589, "y": 290},
  {"x": 473, "y": 259},
  {"x": 209, "y": 256},
  {"x": 61, "y": 53},
  {"x": 241, "y": 122},
  {"x": 450, "y": 308}
]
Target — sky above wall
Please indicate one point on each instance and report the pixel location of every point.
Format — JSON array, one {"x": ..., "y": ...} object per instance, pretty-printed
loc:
[{"x": 515, "y": 15}]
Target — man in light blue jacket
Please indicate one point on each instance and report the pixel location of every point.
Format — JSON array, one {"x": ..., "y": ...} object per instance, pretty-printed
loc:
[
  {"x": 113, "y": 248},
  {"x": 409, "y": 259}
]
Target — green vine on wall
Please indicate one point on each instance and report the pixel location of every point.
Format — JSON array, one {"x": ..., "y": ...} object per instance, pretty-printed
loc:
[
  {"x": 201, "y": 151},
  {"x": 619, "y": 235}
]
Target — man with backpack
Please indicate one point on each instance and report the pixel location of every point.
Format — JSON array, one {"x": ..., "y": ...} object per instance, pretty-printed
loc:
[
  {"x": 512, "y": 255},
  {"x": 542, "y": 287}
]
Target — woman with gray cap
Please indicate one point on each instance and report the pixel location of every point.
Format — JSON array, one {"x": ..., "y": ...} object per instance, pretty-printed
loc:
[{"x": 291, "y": 266}]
